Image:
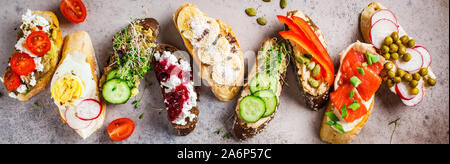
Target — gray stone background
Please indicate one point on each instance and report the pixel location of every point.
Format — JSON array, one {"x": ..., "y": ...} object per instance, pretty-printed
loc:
[{"x": 425, "y": 20}]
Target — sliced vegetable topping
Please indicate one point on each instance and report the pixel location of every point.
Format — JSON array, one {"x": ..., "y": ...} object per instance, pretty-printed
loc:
[
  {"x": 120, "y": 129},
  {"x": 116, "y": 91},
  {"x": 252, "y": 108},
  {"x": 38, "y": 43},
  {"x": 22, "y": 63},
  {"x": 270, "y": 99},
  {"x": 73, "y": 10},
  {"x": 334, "y": 121},
  {"x": 11, "y": 80}
]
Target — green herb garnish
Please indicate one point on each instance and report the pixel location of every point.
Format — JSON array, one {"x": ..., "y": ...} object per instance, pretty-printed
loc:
[
  {"x": 355, "y": 81},
  {"x": 354, "y": 106},
  {"x": 334, "y": 121},
  {"x": 218, "y": 130},
  {"x": 395, "y": 122},
  {"x": 351, "y": 94},
  {"x": 360, "y": 70},
  {"x": 344, "y": 111},
  {"x": 364, "y": 64},
  {"x": 141, "y": 116}
]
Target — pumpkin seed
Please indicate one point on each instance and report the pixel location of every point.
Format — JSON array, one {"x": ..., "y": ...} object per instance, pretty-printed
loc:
[
  {"x": 314, "y": 83},
  {"x": 267, "y": 0},
  {"x": 283, "y": 4},
  {"x": 251, "y": 12},
  {"x": 261, "y": 21}
]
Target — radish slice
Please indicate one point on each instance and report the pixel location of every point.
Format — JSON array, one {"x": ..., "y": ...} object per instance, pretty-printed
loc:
[
  {"x": 402, "y": 90},
  {"x": 414, "y": 64},
  {"x": 88, "y": 109},
  {"x": 416, "y": 100},
  {"x": 74, "y": 122},
  {"x": 425, "y": 55},
  {"x": 384, "y": 14},
  {"x": 380, "y": 30}
]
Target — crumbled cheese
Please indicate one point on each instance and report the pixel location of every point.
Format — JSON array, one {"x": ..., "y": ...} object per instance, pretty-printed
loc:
[
  {"x": 21, "y": 47},
  {"x": 33, "y": 80},
  {"x": 30, "y": 21},
  {"x": 12, "y": 94},
  {"x": 39, "y": 65},
  {"x": 22, "y": 88}
]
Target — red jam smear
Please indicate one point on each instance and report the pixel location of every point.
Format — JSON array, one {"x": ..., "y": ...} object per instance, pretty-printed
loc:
[{"x": 175, "y": 100}]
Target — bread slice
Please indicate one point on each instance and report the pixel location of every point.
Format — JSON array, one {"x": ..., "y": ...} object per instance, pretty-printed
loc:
[
  {"x": 146, "y": 23},
  {"x": 315, "y": 98},
  {"x": 79, "y": 43},
  {"x": 327, "y": 133},
  {"x": 242, "y": 129},
  {"x": 223, "y": 93},
  {"x": 181, "y": 130},
  {"x": 44, "y": 79}
]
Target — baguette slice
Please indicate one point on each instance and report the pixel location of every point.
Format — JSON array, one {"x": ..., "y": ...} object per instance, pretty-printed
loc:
[
  {"x": 181, "y": 130},
  {"x": 44, "y": 79},
  {"x": 242, "y": 129},
  {"x": 315, "y": 98},
  {"x": 79, "y": 43},
  {"x": 223, "y": 93},
  {"x": 329, "y": 134}
]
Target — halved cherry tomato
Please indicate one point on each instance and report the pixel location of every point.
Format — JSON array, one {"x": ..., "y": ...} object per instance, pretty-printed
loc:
[
  {"x": 22, "y": 63},
  {"x": 11, "y": 80},
  {"x": 73, "y": 10},
  {"x": 38, "y": 43},
  {"x": 120, "y": 129}
]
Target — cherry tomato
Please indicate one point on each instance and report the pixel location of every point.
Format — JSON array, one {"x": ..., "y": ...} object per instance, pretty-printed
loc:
[
  {"x": 22, "y": 63},
  {"x": 73, "y": 10},
  {"x": 120, "y": 129},
  {"x": 11, "y": 80},
  {"x": 38, "y": 43}
]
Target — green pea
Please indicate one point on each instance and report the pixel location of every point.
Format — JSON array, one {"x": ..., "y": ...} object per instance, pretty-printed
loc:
[
  {"x": 400, "y": 73},
  {"x": 404, "y": 39},
  {"x": 416, "y": 76},
  {"x": 402, "y": 50},
  {"x": 398, "y": 42},
  {"x": 397, "y": 80},
  {"x": 411, "y": 43},
  {"x": 391, "y": 74},
  {"x": 388, "y": 40},
  {"x": 388, "y": 65},
  {"x": 407, "y": 77},
  {"x": 395, "y": 56},
  {"x": 423, "y": 72},
  {"x": 394, "y": 36},
  {"x": 415, "y": 91},
  {"x": 413, "y": 83},
  {"x": 406, "y": 57},
  {"x": 385, "y": 49},
  {"x": 251, "y": 12},
  {"x": 431, "y": 82},
  {"x": 390, "y": 83},
  {"x": 393, "y": 48},
  {"x": 387, "y": 56}
]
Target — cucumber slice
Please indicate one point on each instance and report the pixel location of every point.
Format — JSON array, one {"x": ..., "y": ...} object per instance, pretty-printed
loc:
[
  {"x": 270, "y": 99},
  {"x": 263, "y": 82},
  {"x": 112, "y": 74},
  {"x": 116, "y": 91},
  {"x": 252, "y": 108}
]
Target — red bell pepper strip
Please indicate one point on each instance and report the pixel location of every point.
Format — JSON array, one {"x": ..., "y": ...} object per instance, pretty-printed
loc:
[
  {"x": 303, "y": 42},
  {"x": 304, "y": 26},
  {"x": 292, "y": 26}
]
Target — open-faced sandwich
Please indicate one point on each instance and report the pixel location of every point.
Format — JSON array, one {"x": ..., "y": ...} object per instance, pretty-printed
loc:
[
  {"x": 353, "y": 99},
  {"x": 260, "y": 97},
  {"x": 408, "y": 68},
  {"x": 214, "y": 48},
  {"x": 312, "y": 63},
  {"x": 36, "y": 55},
  {"x": 174, "y": 75},
  {"x": 133, "y": 49},
  {"x": 74, "y": 86}
]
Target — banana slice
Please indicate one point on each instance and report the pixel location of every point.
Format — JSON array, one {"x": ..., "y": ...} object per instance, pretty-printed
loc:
[
  {"x": 216, "y": 52},
  {"x": 226, "y": 71},
  {"x": 195, "y": 26}
]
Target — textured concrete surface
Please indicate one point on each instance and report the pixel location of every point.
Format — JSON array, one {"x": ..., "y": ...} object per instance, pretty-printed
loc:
[{"x": 426, "y": 20}]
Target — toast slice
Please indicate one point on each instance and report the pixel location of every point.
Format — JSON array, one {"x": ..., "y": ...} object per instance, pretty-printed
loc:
[
  {"x": 50, "y": 60},
  {"x": 315, "y": 98},
  {"x": 79, "y": 45},
  {"x": 242, "y": 129},
  {"x": 222, "y": 92},
  {"x": 189, "y": 124},
  {"x": 149, "y": 30},
  {"x": 327, "y": 132}
]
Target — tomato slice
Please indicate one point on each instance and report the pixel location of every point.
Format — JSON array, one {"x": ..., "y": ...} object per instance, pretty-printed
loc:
[
  {"x": 120, "y": 129},
  {"x": 22, "y": 63},
  {"x": 38, "y": 43},
  {"x": 73, "y": 10},
  {"x": 11, "y": 80}
]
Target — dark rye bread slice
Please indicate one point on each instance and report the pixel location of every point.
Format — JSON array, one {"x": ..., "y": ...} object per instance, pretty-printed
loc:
[
  {"x": 314, "y": 98},
  {"x": 243, "y": 130},
  {"x": 147, "y": 23},
  {"x": 181, "y": 130}
]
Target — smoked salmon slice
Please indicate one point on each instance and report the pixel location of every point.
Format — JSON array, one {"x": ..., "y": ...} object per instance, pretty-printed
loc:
[{"x": 341, "y": 97}]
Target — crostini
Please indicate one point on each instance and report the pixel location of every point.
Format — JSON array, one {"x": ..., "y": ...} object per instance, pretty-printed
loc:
[
  {"x": 133, "y": 49},
  {"x": 312, "y": 63},
  {"x": 353, "y": 99},
  {"x": 261, "y": 94},
  {"x": 174, "y": 75},
  {"x": 74, "y": 86},
  {"x": 408, "y": 70},
  {"x": 36, "y": 55},
  {"x": 214, "y": 48}
]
